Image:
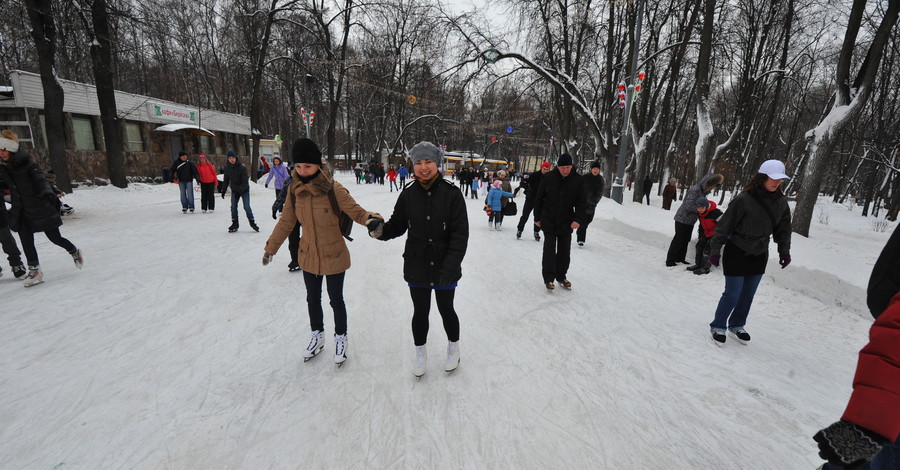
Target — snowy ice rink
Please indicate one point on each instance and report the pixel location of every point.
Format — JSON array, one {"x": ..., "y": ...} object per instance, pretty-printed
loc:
[{"x": 175, "y": 348}]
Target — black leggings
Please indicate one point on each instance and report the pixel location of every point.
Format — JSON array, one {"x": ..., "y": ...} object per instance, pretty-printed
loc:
[
  {"x": 421, "y": 298},
  {"x": 31, "y": 255}
]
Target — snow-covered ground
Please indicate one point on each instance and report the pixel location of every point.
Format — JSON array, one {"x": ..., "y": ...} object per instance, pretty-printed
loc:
[{"x": 175, "y": 348}]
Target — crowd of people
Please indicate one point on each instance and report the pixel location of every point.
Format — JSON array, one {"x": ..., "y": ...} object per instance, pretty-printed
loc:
[{"x": 431, "y": 211}]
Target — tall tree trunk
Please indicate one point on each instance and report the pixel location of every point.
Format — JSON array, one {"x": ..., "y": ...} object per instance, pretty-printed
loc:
[
  {"x": 848, "y": 103},
  {"x": 101, "y": 56},
  {"x": 704, "y": 122},
  {"x": 43, "y": 30}
]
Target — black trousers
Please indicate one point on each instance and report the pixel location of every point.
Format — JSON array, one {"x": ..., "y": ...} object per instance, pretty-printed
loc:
[
  {"x": 526, "y": 212},
  {"x": 13, "y": 255},
  {"x": 208, "y": 196},
  {"x": 557, "y": 256},
  {"x": 335, "y": 286},
  {"x": 701, "y": 258},
  {"x": 294, "y": 243},
  {"x": 31, "y": 255},
  {"x": 581, "y": 232},
  {"x": 679, "y": 246},
  {"x": 421, "y": 298}
]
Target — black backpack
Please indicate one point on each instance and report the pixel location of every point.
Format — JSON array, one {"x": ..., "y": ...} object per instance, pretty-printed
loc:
[{"x": 345, "y": 223}]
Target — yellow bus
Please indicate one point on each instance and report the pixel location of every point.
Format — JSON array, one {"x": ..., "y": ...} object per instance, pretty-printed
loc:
[{"x": 453, "y": 161}]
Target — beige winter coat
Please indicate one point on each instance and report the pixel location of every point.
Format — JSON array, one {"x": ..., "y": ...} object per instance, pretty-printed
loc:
[{"x": 322, "y": 247}]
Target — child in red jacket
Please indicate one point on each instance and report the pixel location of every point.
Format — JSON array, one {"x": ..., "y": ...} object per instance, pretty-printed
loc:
[{"x": 709, "y": 217}]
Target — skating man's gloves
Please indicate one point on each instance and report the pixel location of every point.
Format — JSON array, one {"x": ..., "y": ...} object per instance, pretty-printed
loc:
[
  {"x": 784, "y": 259},
  {"x": 847, "y": 445},
  {"x": 376, "y": 227},
  {"x": 714, "y": 259},
  {"x": 267, "y": 258},
  {"x": 223, "y": 194}
]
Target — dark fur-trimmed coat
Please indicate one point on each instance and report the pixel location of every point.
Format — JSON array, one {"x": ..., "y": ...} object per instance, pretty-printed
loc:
[{"x": 35, "y": 207}]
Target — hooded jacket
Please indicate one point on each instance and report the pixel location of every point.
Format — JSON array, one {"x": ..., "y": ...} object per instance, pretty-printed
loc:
[
  {"x": 207, "y": 172},
  {"x": 747, "y": 224},
  {"x": 35, "y": 207},
  {"x": 688, "y": 215},
  {"x": 708, "y": 220},
  {"x": 322, "y": 247},
  {"x": 280, "y": 173}
]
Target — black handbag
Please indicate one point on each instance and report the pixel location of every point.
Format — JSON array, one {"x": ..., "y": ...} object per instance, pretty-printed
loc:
[{"x": 510, "y": 208}]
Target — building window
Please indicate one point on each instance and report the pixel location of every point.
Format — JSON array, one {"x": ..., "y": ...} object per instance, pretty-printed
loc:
[
  {"x": 84, "y": 133},
  {"x": 206, "y": 145},
  {"x": 135, "y": 142}
]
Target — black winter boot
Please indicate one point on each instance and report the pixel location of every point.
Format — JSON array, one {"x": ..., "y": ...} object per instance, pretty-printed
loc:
[
  {"x": 253, "y": 225},
  {"x": 234, "y": 226}
]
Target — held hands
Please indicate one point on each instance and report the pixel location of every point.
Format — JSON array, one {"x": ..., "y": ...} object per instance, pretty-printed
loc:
[
  {"x": 267, "y": 258},
  {"x": 714, "y": 259},
  {"x": 847, "y": 445},
  {"x": 375, "y": 226},
  {"x": 784, "y": 259}
]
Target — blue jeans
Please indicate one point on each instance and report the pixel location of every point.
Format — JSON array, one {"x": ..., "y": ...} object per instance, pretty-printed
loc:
[
  {"x": 735, "y": 301},
  {"x": 186, "y": 188},
  {"x": 335, "y": 284},
  {"x": 245, "y": 196},
  {"x": 887, "y": 459}
]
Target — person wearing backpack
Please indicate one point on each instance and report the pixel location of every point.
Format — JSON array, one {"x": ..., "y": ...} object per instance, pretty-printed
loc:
[
  {"x": 741, "y": 242},
  {"x": 323, "y": 254}
]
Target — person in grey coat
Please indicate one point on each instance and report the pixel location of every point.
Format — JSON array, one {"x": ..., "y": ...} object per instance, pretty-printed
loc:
[{"x": 686, "y": 217}]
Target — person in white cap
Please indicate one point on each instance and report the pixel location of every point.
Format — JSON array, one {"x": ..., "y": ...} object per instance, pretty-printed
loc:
[{"x": 741, "y": 241}]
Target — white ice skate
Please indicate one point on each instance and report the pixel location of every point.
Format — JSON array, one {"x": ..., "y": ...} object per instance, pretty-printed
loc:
[
  {"x": 340, "y": 349},
  {"x": 316, "y": 345},
  {"x": 452, "y": 356},
  {"x": 34, "y": 277},
  {"x": 420, "y": 361}
]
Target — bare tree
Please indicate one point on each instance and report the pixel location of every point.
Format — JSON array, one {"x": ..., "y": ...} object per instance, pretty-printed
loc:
[
  {"x": 44, "y": 33},
  {"x": 848, "y": 101}
]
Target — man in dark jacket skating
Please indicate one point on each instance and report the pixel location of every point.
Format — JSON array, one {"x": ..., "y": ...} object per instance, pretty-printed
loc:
[
  {"x": 593, "y": 188},
  {"x": 185, "y": 172},
  {"x": 530, "y": 184},
  {"x": 238, "y": 179},
  {"x": 559, "y": 208}
]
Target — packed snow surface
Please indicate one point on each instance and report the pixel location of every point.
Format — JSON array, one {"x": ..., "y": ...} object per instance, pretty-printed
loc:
[{"x": 175, "y": 348}]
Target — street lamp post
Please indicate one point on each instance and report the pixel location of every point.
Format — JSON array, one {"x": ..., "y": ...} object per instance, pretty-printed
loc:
[{"x": 618, "y": 183}]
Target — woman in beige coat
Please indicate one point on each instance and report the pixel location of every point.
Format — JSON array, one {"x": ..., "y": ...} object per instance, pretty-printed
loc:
[{"x": 323, "y": 253}]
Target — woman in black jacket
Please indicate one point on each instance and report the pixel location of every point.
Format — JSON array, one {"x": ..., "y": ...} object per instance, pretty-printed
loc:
[
  {"x": 35, "y": 207},
  {"x": 434, "y": 212},
  {"x": 741, "y": 240}
]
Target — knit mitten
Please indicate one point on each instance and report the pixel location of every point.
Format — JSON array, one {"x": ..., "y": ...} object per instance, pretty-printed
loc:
[{"x": 847, "y": 445}]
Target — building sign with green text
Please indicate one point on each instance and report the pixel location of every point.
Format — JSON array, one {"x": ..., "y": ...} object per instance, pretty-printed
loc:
[{"x": 172, "y": 113}]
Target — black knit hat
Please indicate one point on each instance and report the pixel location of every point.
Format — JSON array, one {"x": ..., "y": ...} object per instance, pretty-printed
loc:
[
  {"x": 564, "y": 160},
  {"x": 306, "y": 151},
  {"x": 595, "y": 164}
]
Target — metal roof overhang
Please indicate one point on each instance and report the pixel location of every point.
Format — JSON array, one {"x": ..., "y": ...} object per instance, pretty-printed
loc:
[{"x": 178, "y": 127}]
